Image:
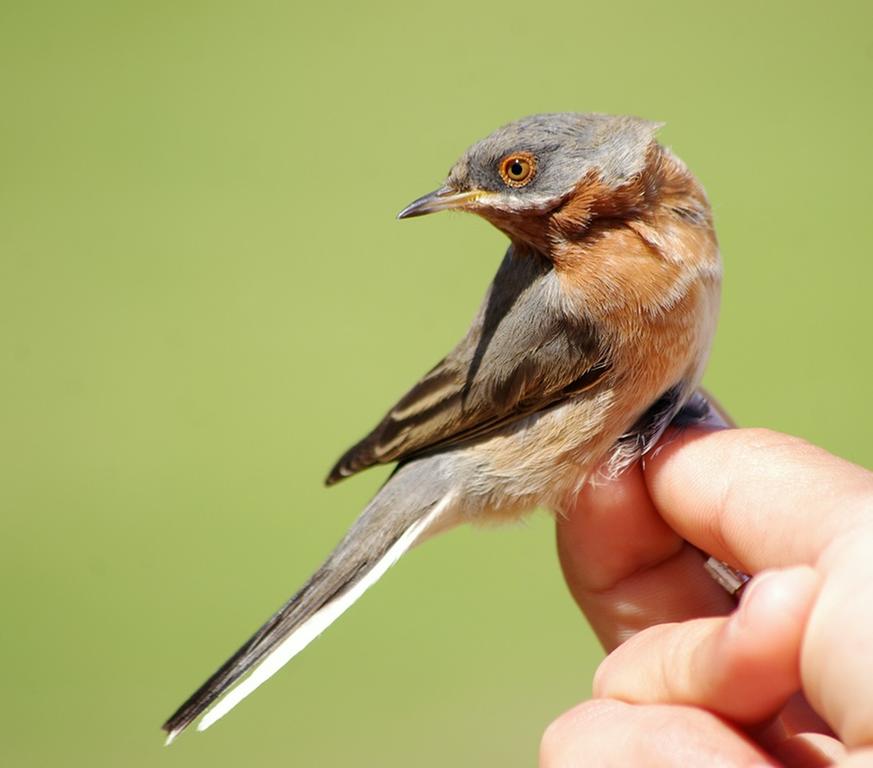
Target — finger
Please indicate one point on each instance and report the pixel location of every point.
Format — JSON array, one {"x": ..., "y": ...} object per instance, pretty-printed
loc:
[
  {"x": 798, "y": 716},
  {"x": 755, "y": 498},
  {"x": 809, "y": 750},
  {"x": 862, "y": 758},
  {"x": 759, "y": 499},
  {"x": 625, "y": 567},
  {"x": 836, "y": 662},
  {"x": 744, "y": 667},
  {"x": 602, "y": 732}
]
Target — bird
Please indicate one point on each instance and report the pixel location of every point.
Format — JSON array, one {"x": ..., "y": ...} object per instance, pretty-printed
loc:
[{"x": 591, "y": 339}]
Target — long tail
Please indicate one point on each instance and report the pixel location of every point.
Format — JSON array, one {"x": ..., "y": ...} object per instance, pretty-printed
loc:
[{"x": 399, "y": 515}]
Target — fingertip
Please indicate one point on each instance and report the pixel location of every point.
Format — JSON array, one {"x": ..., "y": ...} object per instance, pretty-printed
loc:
[
  {"x": 758, "y": 649},
  {"x": 777, "y": 600},
  {"x": 744, "y": 667}
]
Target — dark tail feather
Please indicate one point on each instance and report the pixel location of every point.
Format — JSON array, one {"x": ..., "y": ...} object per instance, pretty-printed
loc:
[{"x": 390, "y": 524}]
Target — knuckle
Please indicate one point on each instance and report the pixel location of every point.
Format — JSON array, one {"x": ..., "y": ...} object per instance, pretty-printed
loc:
[
  {"x": 567, "y": 736},
  {"x": 549, "y": 744},
  {"x": 601, "y": 682},
  {"x": 553, "y": 742}
]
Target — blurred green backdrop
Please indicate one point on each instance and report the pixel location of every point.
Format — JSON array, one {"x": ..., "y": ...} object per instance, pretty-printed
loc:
[{"x": 204, "y": 298}]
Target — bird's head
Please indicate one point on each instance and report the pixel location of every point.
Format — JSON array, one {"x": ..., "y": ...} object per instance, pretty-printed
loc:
[{"x": 524, "y": 173}]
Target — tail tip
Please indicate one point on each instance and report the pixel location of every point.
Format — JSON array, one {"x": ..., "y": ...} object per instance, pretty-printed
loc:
[
  {"x": 171, "y": 736},
  {"x": 205, "y": 722},
  {"x": 339, "y": 472}
]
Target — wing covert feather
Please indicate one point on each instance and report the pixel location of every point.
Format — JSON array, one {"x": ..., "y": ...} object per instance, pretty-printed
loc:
[{"x": 520, "y": 355}]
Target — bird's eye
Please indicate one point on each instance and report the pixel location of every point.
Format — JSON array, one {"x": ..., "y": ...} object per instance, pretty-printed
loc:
[{"x": 518, "y": 169}]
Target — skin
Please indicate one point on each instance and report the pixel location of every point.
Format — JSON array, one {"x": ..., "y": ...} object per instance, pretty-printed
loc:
[{"x": 784, "y": 679}]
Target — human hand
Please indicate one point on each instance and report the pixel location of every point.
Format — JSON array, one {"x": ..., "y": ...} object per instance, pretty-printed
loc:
[{"x": 785, "y": 679}]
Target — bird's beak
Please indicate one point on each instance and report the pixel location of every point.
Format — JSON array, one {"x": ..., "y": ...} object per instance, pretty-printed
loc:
[{"x": 443, "y": 199}]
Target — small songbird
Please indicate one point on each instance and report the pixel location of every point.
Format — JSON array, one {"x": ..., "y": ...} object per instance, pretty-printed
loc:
[{"x": 591, "y": 338}]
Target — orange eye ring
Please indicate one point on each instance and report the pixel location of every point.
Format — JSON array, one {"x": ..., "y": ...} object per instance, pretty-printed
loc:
[{"x": 518, "y": 169}]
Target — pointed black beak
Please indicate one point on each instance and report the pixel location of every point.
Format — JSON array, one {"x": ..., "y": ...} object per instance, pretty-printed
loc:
[{"x": 443, "y": 199}]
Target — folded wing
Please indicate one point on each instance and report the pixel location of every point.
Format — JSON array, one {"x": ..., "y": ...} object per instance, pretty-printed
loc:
[{"x": 521, "y": 355}]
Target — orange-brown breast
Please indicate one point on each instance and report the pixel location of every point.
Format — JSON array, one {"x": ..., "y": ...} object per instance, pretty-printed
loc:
[{"x": 646, "y": 271}]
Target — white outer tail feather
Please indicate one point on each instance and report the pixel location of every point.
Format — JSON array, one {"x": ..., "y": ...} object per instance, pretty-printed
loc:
[{"x": 318, "y": 622}]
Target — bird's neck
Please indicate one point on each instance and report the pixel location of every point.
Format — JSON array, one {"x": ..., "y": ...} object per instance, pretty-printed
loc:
[{"x": 637, "y": 246}]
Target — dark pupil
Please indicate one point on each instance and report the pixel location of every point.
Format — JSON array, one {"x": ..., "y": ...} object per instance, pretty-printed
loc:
[{"x": 516, "y": 169}]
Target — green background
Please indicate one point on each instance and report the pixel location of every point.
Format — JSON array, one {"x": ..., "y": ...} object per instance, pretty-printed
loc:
[{"x": 204, "y": 298}]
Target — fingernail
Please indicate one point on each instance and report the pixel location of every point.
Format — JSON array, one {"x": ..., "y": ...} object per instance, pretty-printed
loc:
[
  {"x": 745, "y": 614},
  {"x": 782, "y": 592}
]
